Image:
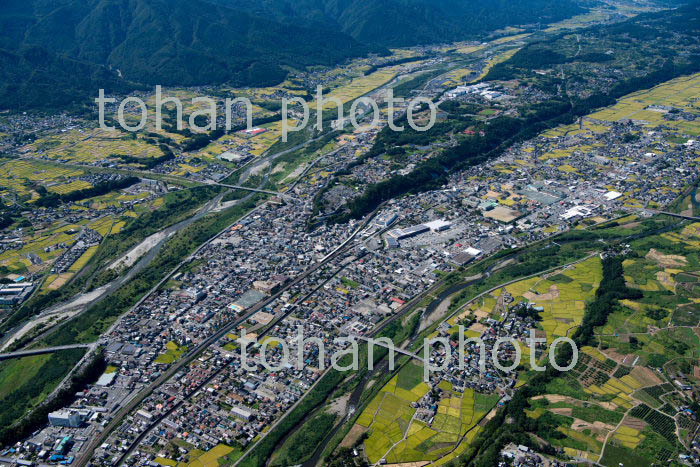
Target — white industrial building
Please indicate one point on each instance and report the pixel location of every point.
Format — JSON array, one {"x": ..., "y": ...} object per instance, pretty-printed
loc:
[{"x": 66, "y": 418}]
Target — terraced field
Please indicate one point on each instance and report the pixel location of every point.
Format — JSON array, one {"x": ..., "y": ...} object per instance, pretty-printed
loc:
[
  {"x": 618, "y": 402},
  {"x": 398, "y": 435}
]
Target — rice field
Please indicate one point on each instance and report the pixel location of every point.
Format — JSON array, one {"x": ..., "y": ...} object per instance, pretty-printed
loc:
[
  {"x": 200, "y": 458},
  {"x": 83, "y": 260},
  {"x": 19, "y": 261},
  {"x": 457, "y": 77},
  {"x": 17, "y": 176},
  {"x": 70, "y": 187},
  {"x": 680, "y": 93},
  {"x": 397, "y": 435},
  {"x": 172, "y": 353},
  {"x": 360, "y": 86},
  {"x": 614, "y": 394},
  {"x": 628, "y": 437},
  {"x": 86, "y": 147},
  {"x": 562, "y": 301},
  {"x": 500, "y": 58}
]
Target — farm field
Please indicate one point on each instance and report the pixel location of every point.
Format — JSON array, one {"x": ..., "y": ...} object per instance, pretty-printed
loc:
[
  {"x": 87, "y": 147},
  {"x": 172, "y": 354},
  {"x": 256, "y": 145},
  {"x": 680, "y": 93},
  {"x": 31, "y": 257},
  {"x": 587, "y": 138},
  {"x": 360, "y": 86},
  {"x": 500, "y": 58},
  {"x": 18, "y": 176},
  {"x": 561, "y": 297},
  {"x": 199, "y": 458},
  {"x": 43, "y": 243},
  {"x": 619, "y": 402},
  {"x": 397, "y": 431},
  {"x": 456, "y": 77}
]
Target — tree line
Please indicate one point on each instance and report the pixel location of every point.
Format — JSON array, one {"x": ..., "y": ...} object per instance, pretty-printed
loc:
[{"x": 49, "y": 199}]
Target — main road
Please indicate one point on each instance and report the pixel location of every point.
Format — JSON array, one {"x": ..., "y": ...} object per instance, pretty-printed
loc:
[{"x": 31, "y": 352}]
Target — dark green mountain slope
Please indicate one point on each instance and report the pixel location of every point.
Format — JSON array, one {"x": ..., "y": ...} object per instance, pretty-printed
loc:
[
  {"x": 33, "y": 78},
  {"x": 411, "y": 22},
  {"x": 169, "y": 42},
  {"x": 54, "y": 52}
]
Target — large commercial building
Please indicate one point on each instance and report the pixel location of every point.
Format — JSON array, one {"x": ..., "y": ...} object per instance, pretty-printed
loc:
[
  {"x": 67, "y": 418},
  {"x": 438, "y": 225},
  {"x": 408, "y": 232},
  {"x": 16, "y": 293}
]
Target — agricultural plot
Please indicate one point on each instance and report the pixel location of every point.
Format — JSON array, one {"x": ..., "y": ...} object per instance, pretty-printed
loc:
[
  {"x": 43, "y": 247},
  {"x": 457, "y": 77},
  {"x": 680, "y": 93},
  {"x": 661, "y": 423},
  {"x": 256, "y": 145},
  {"x": 500, "y": 58},
  {"x": 18, "y": 176},
  {"x": 613, "y": 396},
  {"x": 86, "y": 147},
  {"x": 590, "y": 415},
  {"x": 583, "y": 20},
  {"x": 668, "y": 281},
  {"x": 173, "y": 353},
  {"x": 601, "y": 378},
  {"x": 69, "y": 187},
  {"x": 33, "y": 256},
  {"x": 360, "y": 86},
  {"x": 658, "y": 107},
  {"x": 561, "y": 296},
  {"x": 652, "y": 395},
  {"x": 200, "y": 458},
  {"x": 400, "y": 433}
]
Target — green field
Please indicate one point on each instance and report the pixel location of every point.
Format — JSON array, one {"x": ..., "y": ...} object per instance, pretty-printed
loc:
[
  {"x": 398, "y": 436},
  {"x": 25, "y": 383}
]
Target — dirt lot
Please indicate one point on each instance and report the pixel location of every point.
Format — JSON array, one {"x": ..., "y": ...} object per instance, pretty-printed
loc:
[
  {"x": 503, "y": 214},
  {"x": 666, "y": 261}
]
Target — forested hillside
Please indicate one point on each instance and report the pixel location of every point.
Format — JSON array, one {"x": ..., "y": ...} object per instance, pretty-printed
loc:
[
  {"x": 55, "y": 52},
  {"x": 53, "y": 55},
  {"x": 411, "y": 22}
]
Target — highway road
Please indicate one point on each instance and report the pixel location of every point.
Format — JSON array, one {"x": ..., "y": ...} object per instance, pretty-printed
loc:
[
  {"x": 31, "y": 352},
  {"x": 255, "y": 190}
]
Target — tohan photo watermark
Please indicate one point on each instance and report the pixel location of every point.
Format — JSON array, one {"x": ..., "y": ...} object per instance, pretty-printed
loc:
[
  {"x": 295, "y": 112},
  {"x": 348, "y": 358}
]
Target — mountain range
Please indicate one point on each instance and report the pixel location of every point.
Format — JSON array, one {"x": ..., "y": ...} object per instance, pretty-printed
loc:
[
  {"x": 54, "y": 52},
  {"x": 399, "y": 23}
]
